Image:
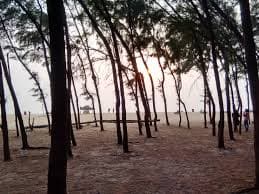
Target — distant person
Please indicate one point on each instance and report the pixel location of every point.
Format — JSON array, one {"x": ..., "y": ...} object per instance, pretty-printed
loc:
[
  {"x": 246, "y": 119},
  {"x": 109, "y": 110},
  {"x": 113, "y": 110},
  {"x": 235, "y": 116}
]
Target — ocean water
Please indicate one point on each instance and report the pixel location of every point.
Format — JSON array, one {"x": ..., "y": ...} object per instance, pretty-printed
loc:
[{"x": 196, "y": 118}]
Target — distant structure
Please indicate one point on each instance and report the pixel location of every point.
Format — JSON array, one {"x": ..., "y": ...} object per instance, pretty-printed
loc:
[{"x": 86, "y": 109}]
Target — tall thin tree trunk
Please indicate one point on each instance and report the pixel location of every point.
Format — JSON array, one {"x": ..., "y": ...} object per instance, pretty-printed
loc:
[
  {"x": 87, "y": 91},
  {"x": 152, "y": 87},
  {"x": 186, "y": 114},
  {"x": 74, "y": 111},
  {"x": 59, "y": 133},
  {"x": 135, "y": 94},
  {"x": 138, "y": 111},
  {"x": 180, "y": 101},
  {"x": 15, "y": 116},
  {"x": 25, "y": 144},
  {"x": 94, "y": 110},
  {"x": 4, "y": 125},
  {"x": 69, "y": 81},
  {"x": 123, "y": 105},
  {"x": 77, "y": 103},
  {"x": 163, "y": 87},
  {"x": 115, "y": 81},
  {"x": 146, "y": 96},
  {"x": 240, "y": 106},
  {"x": 87, "y": 51},
  {"x": 233, "y": 105},
  {"x": 205, "y": 80},
  {"x": 227, "y": 80},
  {"x": 248, "y": 96},
  {"x": 16, "y": 124},
  {"x": 33, "y": 76},
  {"x": 107, "y": 17},
  {"x": 250, "y": 53},
  {"x": 205, "y": 106},
  {"x": 210, "y": 114},
  {"x": 179, "y": 111},
  {"x": 94, "y": 78},
  {"x": 216, "y": 74}
]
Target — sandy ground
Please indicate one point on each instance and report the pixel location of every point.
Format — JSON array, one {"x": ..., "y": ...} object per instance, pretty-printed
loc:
[{"x": 178, "y": 160}]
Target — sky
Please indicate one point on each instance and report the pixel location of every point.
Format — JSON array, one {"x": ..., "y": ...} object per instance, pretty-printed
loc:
[{"x": 191, "y": 93}]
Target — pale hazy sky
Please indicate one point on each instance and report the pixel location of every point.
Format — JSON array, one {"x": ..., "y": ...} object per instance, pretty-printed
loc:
[{"x": 191, "y": 91}]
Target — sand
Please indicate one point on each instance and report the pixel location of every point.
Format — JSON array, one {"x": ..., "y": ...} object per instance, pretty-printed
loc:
[{"x": 178, "y": 160}]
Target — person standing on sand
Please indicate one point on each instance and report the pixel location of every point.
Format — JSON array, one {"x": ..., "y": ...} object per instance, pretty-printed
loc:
[
  {"x": 235, "y": 116},
  {"x": 246, "y": 119}
]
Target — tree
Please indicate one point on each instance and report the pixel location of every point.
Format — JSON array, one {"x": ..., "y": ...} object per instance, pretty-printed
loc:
[
  {"x": 252, "y": 69},
  {"x": 4, "y": 125},
  {"x": 209, "y": 26},
  {"x": 105, "y": 13},
  {"x": 60, "y": 132},
  {"x": 25, "y": 144}
]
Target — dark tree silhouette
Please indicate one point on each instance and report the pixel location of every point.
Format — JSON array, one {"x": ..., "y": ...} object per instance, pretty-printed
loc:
[
  {"x": 252, "y": 70},
  {"x": 60, "y": 132},
  {"x": 209, "y": 26},
  {"x": 123, "y": 105},
  {"x": 17, "y": 110},
  {"x": 4, "y": 125},
  {"x": 114, "y": 71}
]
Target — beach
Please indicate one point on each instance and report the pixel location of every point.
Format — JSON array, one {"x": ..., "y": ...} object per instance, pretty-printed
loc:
[{"x": 176, "y": 160}]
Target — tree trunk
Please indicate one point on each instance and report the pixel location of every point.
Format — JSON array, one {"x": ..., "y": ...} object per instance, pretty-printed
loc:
[
  {"x": 86, "y": 89},
  {"x": 186, "y": 114},
  {"x": 107, "y": 46},
  {"x": 16, "y": 124},
  {"x": 96, "y": 88},
  {"x": 210, "y": 114},
  {"x": 248, "y": 96},
  {"x": 152, "y": 86},
  {"x": 33, "y": 76},
  {"x": 162, "y": 82},
  {"x": 86, "y": 49},
  {"x": 216, "y": 74},
  {"x": 60, "y": 133},
  {"x": 145, "y": 96},
  {"x": 15, "y": 116},
  {"x": 107, "y": 17},
  {"x": 25, "y": 144},
  {"x": 138, "y": 111},
  {"x": 123, "y": 105},
  {"x": 211, "y": 102},
  {"x": 205, "y": 106},
  {"x": 77, "y": 103},
  {"x": 233, "y": 105},
  {"x": 227, "y": 80},
  {"x": 180, "y": 101},
  {"x": 44, "y": 40},
  {"x": 4, "y": 125},
  {"x": 74, "y": 111},
  {"x": 250, "y": 53},
  {"x": 69, "y": 81},
  {"x": 240, "y": 106},
  {"x": 135, "y": 93},
  {"x": 205, "y": 80}
]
